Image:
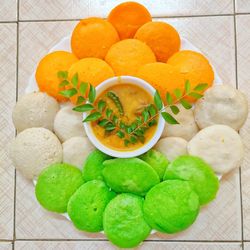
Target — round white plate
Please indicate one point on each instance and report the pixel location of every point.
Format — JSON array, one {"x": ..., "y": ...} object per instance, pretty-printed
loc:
[{"x": 64, "y": 44}]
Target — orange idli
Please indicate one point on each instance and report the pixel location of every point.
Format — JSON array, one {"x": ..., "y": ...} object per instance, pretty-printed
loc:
[
  {"x": 90, "y": 70},
  {"x": 163, "y": 77},
  {"x": 47, "y": 69},
  {"x": 92, "y": 37},
  {"x": 193, "y": 66},
  {"x": 128, "y": 17},
  {"x": 161, "y": 37},
  {"x": 127, "y": 56}
]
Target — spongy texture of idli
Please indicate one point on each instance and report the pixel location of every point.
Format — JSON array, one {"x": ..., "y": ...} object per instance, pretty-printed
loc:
[
  {"x": 35, "y": 110},
  {"x": 34, "y": 149},
  {"x": 56, "y": 184},
  {"x": 130, "y": 175},
  {"x": 156, "y": 160},
  {"x": 124, "y": 223},
  {"x": 93, "y": 165},
  {"x": 68, "y": 124},
  {"x": 172, "y": 147},
  {"x": 220, "y": 146},
  {"x": 186, "y": 128},
  {"x": 200, "y": 175},
  {"x": 171, "y": 206},
  {"x": 86, "y": 206},
  {"x": 222, "y": 104},
  {"x": 76, "y": 150}
]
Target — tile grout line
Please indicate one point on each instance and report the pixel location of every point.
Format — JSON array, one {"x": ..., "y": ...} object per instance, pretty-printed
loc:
[
  {"x": 156, "y": 240},
  {"x": 237, "y": 86},
  {"x": 17, "y": 60}
]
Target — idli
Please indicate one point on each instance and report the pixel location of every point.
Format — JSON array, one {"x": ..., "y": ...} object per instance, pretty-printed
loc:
[
  {"x": 56, "y": 184},
  {"x": 92, "y": 37},
  {"x": 76, "y": 150},
  {"x": 130, "y": 175},
  {"x": 127, "y": 56},
  {"x": 172, "y": 147},
  {"x": 220, "y": 146},
  {"x": 68, "y": 124},
  {"x": 35, "y": 110},
  {"x": 161, "y": 37},
  {"x": 171, "y": 206},
  {"x": 200, "y": 175},
  {"x": 222, "y": 104},
  {"x": 186, "y": 128},
  {"x": 156, "y": 160},
  {"x": 93, "y": 165},
  {"x": 86, "y": 206},
  {"x": 33, "y": 150},
  {"x": 124, "y": 223}
]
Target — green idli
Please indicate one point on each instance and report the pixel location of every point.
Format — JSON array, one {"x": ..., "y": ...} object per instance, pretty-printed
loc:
[
  {"x": 123, "y": 221},
  {"x": 171, "y": 206},
  {"x": 200, "y": 175},
  {"x": 56, "y": 184},
  {"x": 156, "y": 160},
  {"x": 87, "y": 204},
  {"x": 93, "y": 166},
  {"x": 130, "y": 175}
]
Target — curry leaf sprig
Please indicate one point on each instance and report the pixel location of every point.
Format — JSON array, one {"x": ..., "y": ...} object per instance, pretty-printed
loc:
[
  {"x": 172, "y": 100},
  {"x": 112, "y": 120}
]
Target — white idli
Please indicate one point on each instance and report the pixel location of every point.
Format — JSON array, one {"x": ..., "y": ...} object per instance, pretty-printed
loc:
[
  {"x": 68, "y": 124},
  {"x": 186, "y": 128},
  {"x": 220, "y": 146},
  {"x": 76, "y": 150},
  {"x": 221, "y": 104},
  {"x": 33, "y": 150},
  {"x": 35, "y": 110},
  {"x": 172, "y": 147}
]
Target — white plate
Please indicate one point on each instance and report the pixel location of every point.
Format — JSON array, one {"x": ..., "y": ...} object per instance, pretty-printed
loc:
[{"x": 64, "y": 44}]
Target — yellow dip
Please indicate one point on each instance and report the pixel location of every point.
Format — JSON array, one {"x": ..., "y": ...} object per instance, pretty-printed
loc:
[{"x": 133, "y": 100}]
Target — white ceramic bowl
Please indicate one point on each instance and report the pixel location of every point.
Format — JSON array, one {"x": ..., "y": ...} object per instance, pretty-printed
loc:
[{"x": 130, "y": 153}]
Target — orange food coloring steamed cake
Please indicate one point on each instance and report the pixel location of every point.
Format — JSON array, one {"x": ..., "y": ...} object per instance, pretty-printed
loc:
[
  {"x": 127, "y": 56},
  {"x": 47, "y": 69},
  {"x": 90, "y": 70},
  {"x": 128, "y": 17},
  {"x": 162, "y": 76},
  {"x": 161, "y": 37},
  {"x": 193, "y": 66},
  {"x": 92, "y": 37}
]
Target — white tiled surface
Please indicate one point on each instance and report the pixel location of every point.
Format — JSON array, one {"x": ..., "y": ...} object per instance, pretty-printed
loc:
[{"x": 40, "y": 28}]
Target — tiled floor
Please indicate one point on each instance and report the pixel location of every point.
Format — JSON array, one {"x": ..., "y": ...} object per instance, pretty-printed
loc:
[{"x": 217, "y": 27}]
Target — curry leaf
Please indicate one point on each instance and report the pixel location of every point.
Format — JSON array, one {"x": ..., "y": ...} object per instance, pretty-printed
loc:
[
  {"x": 169, "y": 118},
  {"x": 133, "y": 139},
  {"x": 83, "y": 108},
  {"x": 169, "y": 98},
  {"x": 120, "y": 134},
  {"x": 187, "y": 86},
  {"x": 103, "y": 122},
  {"x": 68, "y": 93},
  {"x": 201, "y": 87},
  {"x": 64, "y": 83},
  {"x": 74, "y": 80},
  {"x": 62, "y": 74},
  {"x": 145, "y": 115},
  {"x": 177, "y": 93},
  {"x": 174, "y": 109},
  {"x": 152, "y": 123},
  {"x": 195, "y": 95},
  {"x": 92, "y": 117},
  {"x": 109, "y": 112},
  {"x": 83, "y": 88},
  {"x": 92, "y": 94},
  {"x": 157, "y": 100},
  {"x": 185, "y": 104},
  {"x": 101, "y": 105},
  {"x": 110, "y": 127},
  {"x": 152, "y": 110},
  {"x": 80, "y": 99}
]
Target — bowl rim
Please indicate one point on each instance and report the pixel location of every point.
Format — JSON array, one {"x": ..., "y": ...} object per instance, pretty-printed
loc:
[{"x": 130, "y": 153}]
